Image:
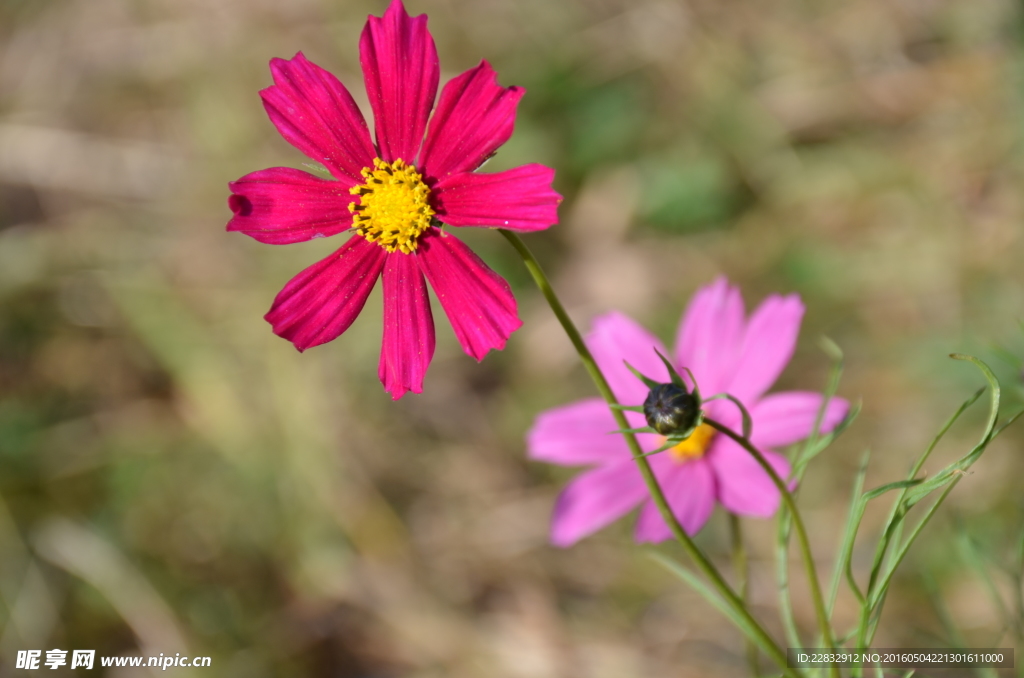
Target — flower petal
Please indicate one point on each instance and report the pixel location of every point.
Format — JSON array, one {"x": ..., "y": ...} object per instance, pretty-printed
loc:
[
  {"x": 315, "y": 113},
  {"x": 743, "y": 486},
  {"x": 768, "y": 344},
  {"x": 709, "y": 336},
  {"x": 401, "y": 70},
  {"x": 615, "y": 338},
  {"x": 690, "y": 491},
  {"x": 478, "y": 302},
  {"x": 576, "y": 435},
  {"x": 595, "y": 499},
  {"x": 474, "y": 116},
  {"x": 519, "y": 199},
  {"x": 320, "y": 303},
  {"x": 283, "y": 205},
  {"x": 784, "y": 418},
  {"x": 408, "y": 327}
]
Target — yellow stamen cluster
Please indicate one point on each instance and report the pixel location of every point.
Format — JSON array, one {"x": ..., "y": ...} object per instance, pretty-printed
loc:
[
  {"x": 695, "y": 446},
  {"x": 393, "y": 207}
]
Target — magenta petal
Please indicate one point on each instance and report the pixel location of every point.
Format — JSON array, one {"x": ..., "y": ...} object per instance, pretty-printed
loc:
[
  {"x": 743, "y": 486},
  {"x": 768, "y": 344},
  {"x": 784, "y": 418},
  {"x": 320, "y": 303},
  {"x": 478, "y": 302},
  {"x": 474, "y": 116},
  {"x": 519, "y": 199},
  {"x": 283, "y": 205},
  {"x": 576, "y": 435},
  {"x": 709, "y": 336},
  {"x": 315, "y": 113},
  {"x": 690, "y": 491},
  {"x": 408, "y": 327},
  {"x": 401, "y": 70},
  {"x": 616, "y": 338},
  {"x": 595, "y": 499}
]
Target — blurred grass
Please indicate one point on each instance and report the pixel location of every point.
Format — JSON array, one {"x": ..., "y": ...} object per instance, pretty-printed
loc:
[{"x": 290, "y": 519}]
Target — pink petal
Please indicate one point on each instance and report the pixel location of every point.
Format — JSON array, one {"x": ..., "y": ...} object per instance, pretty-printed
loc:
[
  {"x": 784, "y": 418},
  {"x": 768, "y": 344},
  {"x": 709, "y": 336},
  {"x": 690, "y": 491},
  {"x": 320, "y": 303},
  {"x": 408, "y": 327},
  {"x": 315, "y": 113},
  {"x": 474, "y": 116},
  {"x": 282, "y": 205},
  {"x": 478, "y": 302},
  {"x": 595, "y": 499},
  {"x": 519, "y": 199},
  {"x": 615, "y": 338},
  {"x": 576, "y": 435},
  {"x": 401, "y": 70},
  {"x": 743, "y": 486}
]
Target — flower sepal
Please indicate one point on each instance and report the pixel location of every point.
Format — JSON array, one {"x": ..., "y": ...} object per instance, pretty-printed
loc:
[{"x": 671, "y": 409}]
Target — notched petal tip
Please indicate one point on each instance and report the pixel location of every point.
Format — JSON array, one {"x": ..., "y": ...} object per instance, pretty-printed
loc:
[
  {"x": 282, "y": 205},
  {"x": 314, "y": 112},
  {"x": 320, "y": 303},
  {"x": 398, "y": 55},
  {"x": 240, "y": 205},
  {"x": 519, "y": 199},
  {"x": 474, "y": 116},
  {"x": 408, "y": 342},
  {"x": 396, "y": 7}
]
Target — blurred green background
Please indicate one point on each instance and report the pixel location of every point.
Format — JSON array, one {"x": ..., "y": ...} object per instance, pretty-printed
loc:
[{"x": 175, "y": 478}]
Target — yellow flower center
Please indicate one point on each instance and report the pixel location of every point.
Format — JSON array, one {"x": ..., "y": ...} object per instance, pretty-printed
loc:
[
  {"x": 695, "y": 446},
  {"x": 393, "y": 208}
]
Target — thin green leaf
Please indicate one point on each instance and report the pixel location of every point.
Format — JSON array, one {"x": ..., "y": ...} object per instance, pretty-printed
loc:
[
  {"x": 976, "y": 560},
  {"x": 876, "y": 594},
  {"x": 897, "y": 513},
  {"x": 696, "y": 386},
  {"x": 667, "y": 446},
  {"x": 849, "y": 533},
  {"x": 748, "y": 423},
  {"x": 673, "y": 375},
  {"x": 713, "y": 598},
  {"x": 897, "y": 485},
  {"x": 824, "y": 441},
  {"x": 957, "y": 468},
  {"x": 853, "y": 525},
  {"x": 649, "y": 383},
  {"x": 1007, "y": 424},
  {"x": 956, "y": 639},
  {"x": 643, "y": 429},
  {"x": 832, "y": 350}
]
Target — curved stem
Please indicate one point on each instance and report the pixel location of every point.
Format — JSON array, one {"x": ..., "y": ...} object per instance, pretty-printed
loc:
[
  {"x": 798, "y": 524},
  {"x": 698, "y": 557}
]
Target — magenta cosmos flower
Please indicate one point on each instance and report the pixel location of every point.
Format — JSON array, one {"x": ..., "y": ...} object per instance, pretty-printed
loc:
[
  {"x": 726, "y": 353},
  {"x": 394, "y": 195}
]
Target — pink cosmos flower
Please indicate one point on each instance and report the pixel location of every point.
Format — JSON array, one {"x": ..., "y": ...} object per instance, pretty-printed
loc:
[
  {"x": 394, "y": 195},
  {"x": 726, "y": 353}
]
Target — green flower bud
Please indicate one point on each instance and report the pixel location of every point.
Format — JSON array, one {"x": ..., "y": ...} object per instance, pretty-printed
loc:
[{"x": 670, "y": 409}]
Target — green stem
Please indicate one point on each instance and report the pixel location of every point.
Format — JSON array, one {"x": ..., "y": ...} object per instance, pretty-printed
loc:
[
  {"x": 782, "y": 582},
  {"x": 798, "y": 524},
  {"x": 740, "y": 564},
  {"x": 698, "y": 557}
]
